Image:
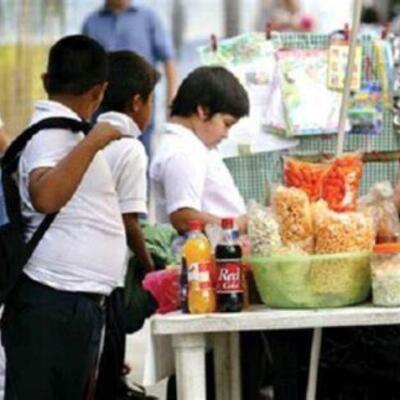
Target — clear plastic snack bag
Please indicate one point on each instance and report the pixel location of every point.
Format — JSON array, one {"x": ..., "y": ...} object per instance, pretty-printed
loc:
[
  {"x": 379, "y": 202},
  {"x": 341, "y": 183},
  {"x": 293, "y": 212},
  {"x": 263, "y": 230}
]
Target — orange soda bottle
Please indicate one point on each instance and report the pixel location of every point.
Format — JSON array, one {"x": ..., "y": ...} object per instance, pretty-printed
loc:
[{"x": 198, "y": 255}]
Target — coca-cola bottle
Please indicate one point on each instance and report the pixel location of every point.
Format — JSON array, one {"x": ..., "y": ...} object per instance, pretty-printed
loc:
[{"x": 228, "y": 254}]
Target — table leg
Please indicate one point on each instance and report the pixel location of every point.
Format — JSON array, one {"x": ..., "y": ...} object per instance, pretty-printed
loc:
[
  {"x": 190, "y": 366},
  {"x": 227, "y": 366},
  {"x": 314, "y": 363}
]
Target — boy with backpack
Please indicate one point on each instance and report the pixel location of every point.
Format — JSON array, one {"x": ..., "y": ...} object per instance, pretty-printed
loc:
[
  {"x": 54, "y": 316},
  {"x": 128, "y": 106}
]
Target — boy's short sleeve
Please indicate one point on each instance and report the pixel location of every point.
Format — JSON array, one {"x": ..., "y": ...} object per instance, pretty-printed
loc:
[
  {"x": 47, "y": 148},
  {"x": 183, "y": 180},
  {"x": 131, "y": 183}
]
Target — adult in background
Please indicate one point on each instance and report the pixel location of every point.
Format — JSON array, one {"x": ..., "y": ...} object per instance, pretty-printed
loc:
[{"x": 123, "y": 25}]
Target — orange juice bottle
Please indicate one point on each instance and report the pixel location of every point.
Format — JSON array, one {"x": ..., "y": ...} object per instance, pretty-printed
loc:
[{"x": 197, "y": 251}]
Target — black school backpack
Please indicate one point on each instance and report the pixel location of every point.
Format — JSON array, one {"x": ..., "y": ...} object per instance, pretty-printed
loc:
[{"x": 14, "y": 251}]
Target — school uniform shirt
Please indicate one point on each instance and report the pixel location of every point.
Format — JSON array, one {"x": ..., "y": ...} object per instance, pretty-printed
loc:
[
  {"x": 128, "y": 163},
  {"x": 186, "y": 174},
  {"x": 84, "y": 248}
]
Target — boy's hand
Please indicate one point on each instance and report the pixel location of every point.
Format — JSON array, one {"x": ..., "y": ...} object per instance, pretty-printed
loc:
[{"x": 103, "y": 133}]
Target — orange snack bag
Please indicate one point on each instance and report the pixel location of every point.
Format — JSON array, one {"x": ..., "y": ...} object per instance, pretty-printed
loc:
[
  {"x": 305, "y": 176},
  {"x": 342, "y": 181}
]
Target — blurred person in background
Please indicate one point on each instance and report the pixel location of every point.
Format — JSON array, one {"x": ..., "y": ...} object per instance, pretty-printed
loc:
[
  {"x": 285, "y": 15},
  {"x": 122, "y": 25},
  {"x": 371, "y": 21}
]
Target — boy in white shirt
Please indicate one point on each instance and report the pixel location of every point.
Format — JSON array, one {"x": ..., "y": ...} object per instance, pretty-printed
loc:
[
  {"x": 128, "y": 106},
  {"x": 188, "y": 175},
  {"x": 54, "y": 317}
]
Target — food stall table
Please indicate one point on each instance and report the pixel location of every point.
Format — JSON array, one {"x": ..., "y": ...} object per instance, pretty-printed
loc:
[{"x": 189, "y": 334}]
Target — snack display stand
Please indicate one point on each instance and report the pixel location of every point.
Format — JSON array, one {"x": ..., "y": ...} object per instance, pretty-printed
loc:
[{"x": 191, "y": 333}]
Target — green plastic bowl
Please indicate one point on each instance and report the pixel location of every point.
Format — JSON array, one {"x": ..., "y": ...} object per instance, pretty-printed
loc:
[{"x": 316, "y": 281}]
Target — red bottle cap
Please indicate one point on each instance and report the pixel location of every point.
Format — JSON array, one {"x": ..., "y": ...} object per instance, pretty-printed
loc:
[
  {"x": 195, "y": 225},
  {"x": 227, "y": 223}
]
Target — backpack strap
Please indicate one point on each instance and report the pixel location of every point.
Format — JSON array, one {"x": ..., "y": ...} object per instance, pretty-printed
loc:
[{"x": 10, "y": 161}]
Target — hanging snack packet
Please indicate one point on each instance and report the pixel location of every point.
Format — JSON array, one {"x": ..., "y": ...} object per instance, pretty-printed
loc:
[
  {"x": 366, "y": 110},
  {"x": 305, "y": 176},
  {"x": 293, "y": 212},
  {"x": 342, "y": 181}
]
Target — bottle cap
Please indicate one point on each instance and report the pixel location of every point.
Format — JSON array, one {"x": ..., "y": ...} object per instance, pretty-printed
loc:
[
  {"x": 195, "y": 225},
  {"x": 227, "y": 223}
]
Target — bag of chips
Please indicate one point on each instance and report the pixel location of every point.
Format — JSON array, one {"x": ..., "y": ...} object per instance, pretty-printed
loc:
[{"x": 341, "y": 183}]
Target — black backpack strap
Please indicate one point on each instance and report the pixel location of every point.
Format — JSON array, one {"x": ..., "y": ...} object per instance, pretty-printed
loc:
[
  {"x": 11, "y": 158},
  {"x": 10, "y": 161}
]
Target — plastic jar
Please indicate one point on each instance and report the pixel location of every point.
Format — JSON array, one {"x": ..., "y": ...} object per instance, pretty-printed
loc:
[{"x": 385, "y": 268}]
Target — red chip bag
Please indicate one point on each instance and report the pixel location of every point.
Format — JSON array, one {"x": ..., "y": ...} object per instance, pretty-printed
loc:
[
  {"x": 342, "y": 181},
  {"x": 305, "y": 176}
]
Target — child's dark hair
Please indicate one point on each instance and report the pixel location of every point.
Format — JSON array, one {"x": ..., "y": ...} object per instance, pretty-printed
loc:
[
  {"x": 130, "y": 75},
  {"x": 76, "y": 64},
  {"x": 215, "y": 89}
]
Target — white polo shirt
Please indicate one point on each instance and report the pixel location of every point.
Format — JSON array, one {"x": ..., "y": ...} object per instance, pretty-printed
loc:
[
  {"x": 186, "y": 174},
  {"x": 84, "y": 248},
  {"x": 128, "y": 163}
]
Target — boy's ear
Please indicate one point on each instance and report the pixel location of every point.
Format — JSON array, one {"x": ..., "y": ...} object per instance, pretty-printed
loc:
[
  {"x": 98, "y": 91},
  {"x": 136, "y": 103},
  {"x": 45, "y": 80},
  {"x": 202, "y": 113}
]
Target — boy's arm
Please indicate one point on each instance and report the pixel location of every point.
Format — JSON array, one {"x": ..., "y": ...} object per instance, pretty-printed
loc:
[
  {"x": 3, "y": 140},
  {"x": 172, "y": 79},
  {"x": 180, "y": 219},
  {"x": 136, "y": 241},
  {"x": 51, "y": 188}
]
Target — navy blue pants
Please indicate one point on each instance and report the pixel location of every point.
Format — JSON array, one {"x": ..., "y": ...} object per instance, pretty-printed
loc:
[{"x": 52, "y": 340}]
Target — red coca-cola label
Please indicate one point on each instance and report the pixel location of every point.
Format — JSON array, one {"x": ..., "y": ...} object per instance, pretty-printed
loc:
[{"x": 229, "y": 277}]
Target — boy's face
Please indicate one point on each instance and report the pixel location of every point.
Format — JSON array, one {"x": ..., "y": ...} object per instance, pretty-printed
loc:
[
  {"x": 215, "y": 129},
  {"x": 142, "y": 111}
]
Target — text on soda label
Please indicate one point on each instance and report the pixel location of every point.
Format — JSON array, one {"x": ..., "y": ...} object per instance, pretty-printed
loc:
[
  {"x": 200, "y": 273},
  {"x": 229, "y": 277}
]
